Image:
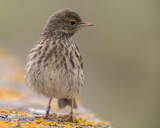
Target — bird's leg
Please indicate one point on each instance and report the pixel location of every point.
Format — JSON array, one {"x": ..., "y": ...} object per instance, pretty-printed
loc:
[
  {"x": 48, "y": 108},
  {"x": 71, "y": 115}
]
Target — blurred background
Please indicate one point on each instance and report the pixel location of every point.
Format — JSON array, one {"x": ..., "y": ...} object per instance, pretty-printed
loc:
[{"x": 120, "y": 54}]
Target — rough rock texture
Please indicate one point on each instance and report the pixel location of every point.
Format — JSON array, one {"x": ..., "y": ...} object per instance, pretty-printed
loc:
[{"x": 20, "y": 107}]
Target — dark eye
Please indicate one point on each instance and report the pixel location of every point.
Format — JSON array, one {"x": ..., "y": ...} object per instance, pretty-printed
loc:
[{"x": 72, "y": 22}]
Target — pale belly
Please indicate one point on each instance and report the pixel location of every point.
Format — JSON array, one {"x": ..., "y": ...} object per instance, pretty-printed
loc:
[{"x": 54, "y": 83}]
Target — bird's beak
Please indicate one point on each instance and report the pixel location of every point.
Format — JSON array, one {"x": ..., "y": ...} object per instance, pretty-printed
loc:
[{"x": 86, "y": 24}]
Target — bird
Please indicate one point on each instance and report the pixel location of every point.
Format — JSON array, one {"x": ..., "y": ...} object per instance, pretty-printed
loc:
[{"x": 54, "y": 65}]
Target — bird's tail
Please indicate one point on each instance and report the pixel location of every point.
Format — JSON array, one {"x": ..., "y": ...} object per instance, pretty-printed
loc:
[{"x": 62, "y": 103}]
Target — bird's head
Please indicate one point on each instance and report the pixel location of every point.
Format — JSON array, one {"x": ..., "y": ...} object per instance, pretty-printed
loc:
[{"x": 66, "y": 22}]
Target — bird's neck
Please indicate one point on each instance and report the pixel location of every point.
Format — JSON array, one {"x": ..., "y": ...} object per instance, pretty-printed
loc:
[
  {"x": 58, "y": 38},
  {"x": 56, "y": 35}
]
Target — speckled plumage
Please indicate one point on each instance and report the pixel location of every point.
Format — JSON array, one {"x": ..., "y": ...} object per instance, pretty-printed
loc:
[
  {"x": 54, "y": 68},
  {"x": 54, "y": 65}
]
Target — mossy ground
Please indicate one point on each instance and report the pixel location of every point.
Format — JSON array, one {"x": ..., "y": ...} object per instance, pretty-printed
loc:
[{"x": 11, "y": 117}]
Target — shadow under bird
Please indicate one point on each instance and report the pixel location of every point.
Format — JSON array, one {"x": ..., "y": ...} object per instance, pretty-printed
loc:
[{"x": 54, "y": 65}]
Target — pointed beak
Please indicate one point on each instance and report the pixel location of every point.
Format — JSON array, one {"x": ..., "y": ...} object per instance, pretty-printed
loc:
[{"x": 86, "y": 24}]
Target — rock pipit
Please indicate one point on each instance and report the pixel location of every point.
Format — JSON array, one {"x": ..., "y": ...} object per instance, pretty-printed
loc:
[{"x": 54, "y": 65}]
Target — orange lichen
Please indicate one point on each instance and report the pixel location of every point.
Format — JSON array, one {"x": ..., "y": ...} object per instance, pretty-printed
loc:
[
  {"x": 4, "y": 111},
  {"x": 15, "y": 120},
  {"x": 6, "y": 124},
  {"x": 3, "y": 124},
  {"x": 40, "y": 121},
  {"x": 15, "y": 112},
  {"x": 84, "y": 122},
  {"x": 104, "y": 123},
  {"x": 22, "y": 113},
  {"x": 30, "y": 125}
]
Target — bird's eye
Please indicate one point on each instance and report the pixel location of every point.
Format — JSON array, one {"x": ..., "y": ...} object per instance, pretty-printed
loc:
[{"x": 72, "y": 22}]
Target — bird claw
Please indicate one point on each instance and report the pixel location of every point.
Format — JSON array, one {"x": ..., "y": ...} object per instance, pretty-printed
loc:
[
  {"x": 67, "y": 118},
  {"x": 49, "y": 116}
]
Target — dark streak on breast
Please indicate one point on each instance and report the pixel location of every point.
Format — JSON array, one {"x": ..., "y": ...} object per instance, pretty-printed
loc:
[
  {"x": 71, "y": 60},
  {"x": 72, "y": 63},
  {"x": 48, "y": 55},
  {"x": 34, "y": 56},
  {"x": 39, "y": 48}
]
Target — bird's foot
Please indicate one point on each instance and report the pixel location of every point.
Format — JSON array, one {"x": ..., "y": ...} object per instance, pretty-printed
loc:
[
  {"x": 47, "y": 111},
  {"x": 69, "y": 117},
  {"x": 49, "y": 116}
]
